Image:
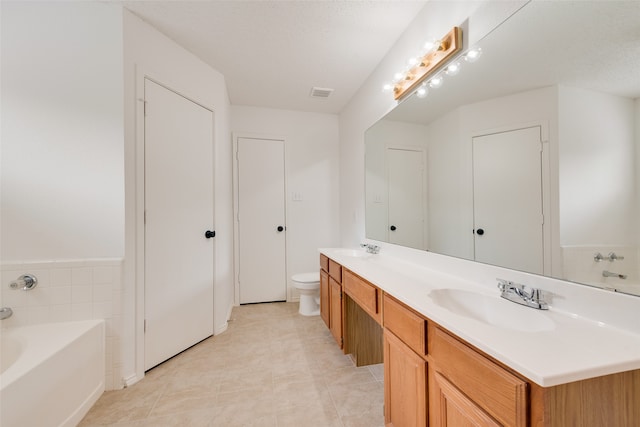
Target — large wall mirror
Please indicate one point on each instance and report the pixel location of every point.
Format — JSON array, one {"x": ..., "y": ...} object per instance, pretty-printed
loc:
[{"x": 529, "y": 158}]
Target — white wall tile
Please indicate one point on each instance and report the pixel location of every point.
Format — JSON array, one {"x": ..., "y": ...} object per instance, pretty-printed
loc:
[
  {"x": 60, "y": 276},
  {"x": 70, "y": 290},
  {"x": 81, "y": 276}
]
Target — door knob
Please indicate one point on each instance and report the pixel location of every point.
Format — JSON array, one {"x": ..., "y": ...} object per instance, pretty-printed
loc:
[
  {"x": 209, "y": 234},
  {"x": 479, "y": 231},
  {"x": 280, "y": 228},
  {"x": 393, "y": 228}
]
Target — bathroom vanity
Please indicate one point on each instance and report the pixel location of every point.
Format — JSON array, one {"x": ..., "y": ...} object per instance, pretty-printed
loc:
[{"x": 455, "y": 354}]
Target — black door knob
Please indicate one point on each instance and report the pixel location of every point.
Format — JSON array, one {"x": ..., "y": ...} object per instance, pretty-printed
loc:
[
  {"x": 209, "y": 234},
  {"x": 479, "y": 231},
  {"x": 393, "y": 228},
  {"x": 280, "y": 229}
]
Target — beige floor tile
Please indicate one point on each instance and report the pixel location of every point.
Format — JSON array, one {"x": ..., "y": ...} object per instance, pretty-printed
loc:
[
  {"x": 271, "y": 368},
  {"x": 358, "y": 399},
  {"x": 377, "y": 371}
]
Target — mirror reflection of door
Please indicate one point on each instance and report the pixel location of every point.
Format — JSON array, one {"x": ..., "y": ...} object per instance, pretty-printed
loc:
[
  {"x": 406, "y": 180},
  {"x": 507, "y": 199}
]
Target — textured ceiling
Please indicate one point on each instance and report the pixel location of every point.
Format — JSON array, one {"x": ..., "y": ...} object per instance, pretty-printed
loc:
[{"x": 273, "y": 52}]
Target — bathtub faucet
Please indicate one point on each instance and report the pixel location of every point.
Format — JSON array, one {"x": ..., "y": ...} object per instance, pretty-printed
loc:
[
  {"x": 606, "y": 273},
  {"x": 5, "y": 313}
]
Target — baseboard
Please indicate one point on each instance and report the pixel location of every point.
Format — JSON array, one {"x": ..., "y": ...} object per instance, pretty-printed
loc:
[{"x": 130, "y": 380}]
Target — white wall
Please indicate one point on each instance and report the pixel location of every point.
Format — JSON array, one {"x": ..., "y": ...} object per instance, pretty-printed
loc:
[
  {"x": 311, "y": 157},
  {"x": 449, "y": 203},
  {"x": 62, "y": 170},
  {"x": 148, "y": 52},
  {"x": 370, "y": 103},
  {"x": 597, "y": 168}
]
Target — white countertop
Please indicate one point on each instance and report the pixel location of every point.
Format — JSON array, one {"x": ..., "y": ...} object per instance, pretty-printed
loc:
[{"x": 560, "y": 348}]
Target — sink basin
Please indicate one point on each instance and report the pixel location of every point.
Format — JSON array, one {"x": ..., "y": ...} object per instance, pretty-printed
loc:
[
  {"x": 355, "y": 253},
  {"x": 491, "y": 310}
]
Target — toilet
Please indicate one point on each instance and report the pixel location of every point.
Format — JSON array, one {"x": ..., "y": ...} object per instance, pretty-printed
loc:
[{"x": 308, "y": 284}]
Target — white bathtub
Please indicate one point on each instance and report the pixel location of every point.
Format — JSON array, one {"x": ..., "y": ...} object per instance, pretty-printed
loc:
[{"x": 51, "y": 374}]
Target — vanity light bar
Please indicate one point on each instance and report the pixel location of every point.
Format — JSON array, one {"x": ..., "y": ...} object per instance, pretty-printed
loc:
[{"x": 426, "y": 66}]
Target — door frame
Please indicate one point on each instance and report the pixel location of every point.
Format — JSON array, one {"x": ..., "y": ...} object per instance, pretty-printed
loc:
[
  {"x": 139, "y": 208},
  {"x": 547, "y": 225},
  {"x": 236, "y": 226}
]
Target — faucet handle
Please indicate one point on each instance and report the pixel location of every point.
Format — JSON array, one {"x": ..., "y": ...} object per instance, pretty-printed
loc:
[{"x": 503, "y": 284}]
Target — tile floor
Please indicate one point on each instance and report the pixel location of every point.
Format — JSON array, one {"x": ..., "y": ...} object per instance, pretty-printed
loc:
[{"x": 272, "y": 367}]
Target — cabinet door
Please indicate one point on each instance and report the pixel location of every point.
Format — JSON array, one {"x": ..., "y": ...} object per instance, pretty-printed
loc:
[
  {"x": 324, "y": 297},
  {"x": 335, "y": 315},
  {"x": 405, "y": 385},
  {"x": 449, "y": 407},
  {"x": 498, "y": 392}
]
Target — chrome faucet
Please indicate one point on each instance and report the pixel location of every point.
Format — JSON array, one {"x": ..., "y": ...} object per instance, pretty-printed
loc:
[
  {"x": 372, "y": 249},
  {"x": 606, "y": 273},
  {"x": 517, "y": 293},
  {"x": 5, "y": 313}
]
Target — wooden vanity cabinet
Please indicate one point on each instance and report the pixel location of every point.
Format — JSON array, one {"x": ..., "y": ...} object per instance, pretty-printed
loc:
[
  {"x": 336, "y": 311},
  {"x": 466, "y": 388},
  {"x": 331, "y": 307},
  {"x": 405, "y": 365},
  {"x": 324, "y": 297},
  {"x": 432, "y": 378},
  {"x": 367, "y": 296}
]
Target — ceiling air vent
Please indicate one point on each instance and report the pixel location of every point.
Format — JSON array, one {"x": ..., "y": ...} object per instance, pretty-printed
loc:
[{"x": 320, "y": 92}]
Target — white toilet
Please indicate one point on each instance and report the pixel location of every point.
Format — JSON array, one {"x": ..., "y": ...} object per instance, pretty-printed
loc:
[{"x": 308, "y": 284}]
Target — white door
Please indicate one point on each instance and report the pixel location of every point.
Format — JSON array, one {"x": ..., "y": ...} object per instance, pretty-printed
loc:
[
  {"x": 178, "y": 210},
  {"x": 507, "y": 193},
  {"x": 261, "y": 220},
  {"x": 406, "y": 197}
]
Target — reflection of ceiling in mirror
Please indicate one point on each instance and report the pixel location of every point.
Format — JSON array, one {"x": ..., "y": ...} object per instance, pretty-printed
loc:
[{"x": 589, "y": 44}]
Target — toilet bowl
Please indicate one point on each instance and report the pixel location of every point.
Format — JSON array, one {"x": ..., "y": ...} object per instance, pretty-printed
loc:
[{"x": 308, "y": 284}]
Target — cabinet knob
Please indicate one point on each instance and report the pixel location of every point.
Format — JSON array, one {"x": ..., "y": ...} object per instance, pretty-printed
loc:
[
  {"x": 393, "y": 228},
  {"x": 479, "y": 231},
  {"x": 209, "y": 234},
  {"x": 280, "y": 229}
]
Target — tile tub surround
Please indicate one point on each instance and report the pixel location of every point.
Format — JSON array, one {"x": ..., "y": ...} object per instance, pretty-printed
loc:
[
  {"x": 594, "y": 332},
  {"x": 70, "y": 290},
  {"x": 272, "y": 367}
]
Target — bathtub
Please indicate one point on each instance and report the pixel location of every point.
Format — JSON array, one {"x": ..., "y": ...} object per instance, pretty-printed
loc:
[{"x": 51, "y": 374}]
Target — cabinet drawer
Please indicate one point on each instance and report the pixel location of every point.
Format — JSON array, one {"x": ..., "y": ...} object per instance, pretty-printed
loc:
[
  {"x": 405, "y": 324},
  {"x": 324, "y": 263},
  {"x": 363, "y": 293},
  {"x": 501, "y": 394},
  {"x": 335, "y": 270}
]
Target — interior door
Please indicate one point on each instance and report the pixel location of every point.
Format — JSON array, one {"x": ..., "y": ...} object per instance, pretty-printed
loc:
[
  {"x": 405, "y": 169},
  {"x": 178, "y": 152},
  {"x": 507, "y": 199},
  {"x": 261, "y": 220}
]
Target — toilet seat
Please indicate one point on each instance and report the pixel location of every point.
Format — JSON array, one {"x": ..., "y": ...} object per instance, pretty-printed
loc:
[{"x": 306, "y": 277}]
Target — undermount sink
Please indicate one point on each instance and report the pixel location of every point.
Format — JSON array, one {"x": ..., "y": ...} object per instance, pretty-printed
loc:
[
  {"x": 492, "y": 310},
  {"x": 355, "y": 253}
]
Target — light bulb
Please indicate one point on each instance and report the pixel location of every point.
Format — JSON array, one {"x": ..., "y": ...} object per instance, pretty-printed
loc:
[
  {"x": 413, "y": 62},
  {"x": 397, "y": 77},
  {"x": 430, "y": 45},
  {"x": 435, "y": 82},
  {"x": 473, "y": 55},
  {"x": 387, "y": 88},
  {"x": 453, "y": 69},
  {"x": 422, "y": 92}
]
